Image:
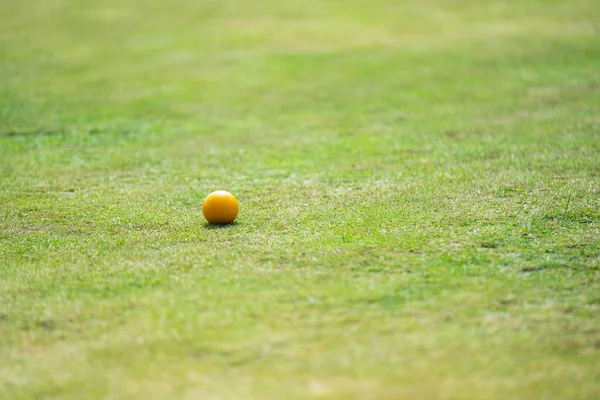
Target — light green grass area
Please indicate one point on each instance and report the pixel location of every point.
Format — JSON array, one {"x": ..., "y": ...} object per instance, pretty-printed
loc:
[{"x": 419, "y": 185}]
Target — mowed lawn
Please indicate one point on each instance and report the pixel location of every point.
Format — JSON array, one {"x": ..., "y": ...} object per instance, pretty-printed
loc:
[{"x": 419, "y": 185}]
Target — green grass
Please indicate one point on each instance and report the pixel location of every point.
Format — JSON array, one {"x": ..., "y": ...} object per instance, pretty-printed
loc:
[{"x": 419, "y": 186}]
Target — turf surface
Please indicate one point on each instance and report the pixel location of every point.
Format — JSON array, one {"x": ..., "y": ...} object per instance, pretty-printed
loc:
[{"x": 419, "y": 186}]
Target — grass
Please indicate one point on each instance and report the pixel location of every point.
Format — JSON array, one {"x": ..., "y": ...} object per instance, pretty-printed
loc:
[{"x": 419, "y": 186}]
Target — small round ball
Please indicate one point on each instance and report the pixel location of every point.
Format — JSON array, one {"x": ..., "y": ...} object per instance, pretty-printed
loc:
[{"x": 220, "y": 207}]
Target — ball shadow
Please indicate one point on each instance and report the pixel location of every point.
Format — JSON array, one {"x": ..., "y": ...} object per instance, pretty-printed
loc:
[{"x": 208, "y": 225}]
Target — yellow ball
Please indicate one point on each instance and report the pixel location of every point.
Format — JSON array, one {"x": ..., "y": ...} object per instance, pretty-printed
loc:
[{"x": 220, "y": 207}]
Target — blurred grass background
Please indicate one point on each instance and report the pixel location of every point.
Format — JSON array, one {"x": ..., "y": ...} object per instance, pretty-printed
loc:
[{"x": 418, "y": 185}]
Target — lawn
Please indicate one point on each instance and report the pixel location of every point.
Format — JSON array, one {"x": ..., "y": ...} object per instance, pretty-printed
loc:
[{"x": 419, "y": 188}]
